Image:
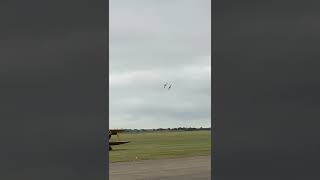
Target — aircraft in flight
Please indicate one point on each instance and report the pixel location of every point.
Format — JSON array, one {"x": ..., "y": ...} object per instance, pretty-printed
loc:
[
  {"x": 170, "y": 86},
  {"x": 164, "y": 86}
]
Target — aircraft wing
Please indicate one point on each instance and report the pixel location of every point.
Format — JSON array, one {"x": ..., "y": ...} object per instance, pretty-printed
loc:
[
  {"x": 113, "y": 143},
  {"x": 115, "y": 131}
]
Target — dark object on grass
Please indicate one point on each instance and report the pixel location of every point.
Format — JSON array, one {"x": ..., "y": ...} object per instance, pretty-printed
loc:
[{"x": 118, "y": 142}]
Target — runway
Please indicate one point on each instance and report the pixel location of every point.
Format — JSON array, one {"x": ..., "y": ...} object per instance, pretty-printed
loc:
[{"x": 191, "y": 168}]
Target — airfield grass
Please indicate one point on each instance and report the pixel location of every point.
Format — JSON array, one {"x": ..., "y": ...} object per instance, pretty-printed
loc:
[{"x": 161, "y": 145}]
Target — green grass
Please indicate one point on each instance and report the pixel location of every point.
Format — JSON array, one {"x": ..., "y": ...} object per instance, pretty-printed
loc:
[{"x": 161, "y": 145}]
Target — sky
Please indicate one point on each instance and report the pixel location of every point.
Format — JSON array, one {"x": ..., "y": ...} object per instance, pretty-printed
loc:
[{"x": 153, "y": 42}]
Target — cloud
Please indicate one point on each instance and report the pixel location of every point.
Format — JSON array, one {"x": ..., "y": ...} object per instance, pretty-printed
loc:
[
  {"x": 153, "y": 44},
  {"x": 140, "y": 95},
  {"x": 158, "y": 34}
]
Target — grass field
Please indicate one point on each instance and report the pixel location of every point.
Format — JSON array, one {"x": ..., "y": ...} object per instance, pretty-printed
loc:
[{"x": 160, "y": 145}]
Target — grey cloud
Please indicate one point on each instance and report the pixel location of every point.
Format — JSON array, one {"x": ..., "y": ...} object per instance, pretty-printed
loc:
[
  {"x": 153, "y": 42},
  {"x": 155, "y": 34}
]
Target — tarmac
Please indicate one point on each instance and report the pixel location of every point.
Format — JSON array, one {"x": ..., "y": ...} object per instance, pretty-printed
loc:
[{"x": 191, "y": 168}]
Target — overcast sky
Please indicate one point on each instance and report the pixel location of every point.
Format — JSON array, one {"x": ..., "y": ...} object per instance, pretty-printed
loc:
[{"x": 153, "y": 42}]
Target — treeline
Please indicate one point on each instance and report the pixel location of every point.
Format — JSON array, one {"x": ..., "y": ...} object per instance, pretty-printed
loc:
[{"x": 170, "y": 129}]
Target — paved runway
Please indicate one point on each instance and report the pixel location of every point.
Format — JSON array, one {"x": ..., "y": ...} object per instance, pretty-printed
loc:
[{"x": 192, "y": 168}]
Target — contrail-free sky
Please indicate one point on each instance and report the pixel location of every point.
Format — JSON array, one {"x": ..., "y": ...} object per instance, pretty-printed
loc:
[{"x": 154, "y": 42}]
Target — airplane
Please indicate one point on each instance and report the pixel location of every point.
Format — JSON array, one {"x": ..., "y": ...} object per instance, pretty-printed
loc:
[
  {"x": 119, "y": 142},
  {"x": 170, "y": 86}
]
